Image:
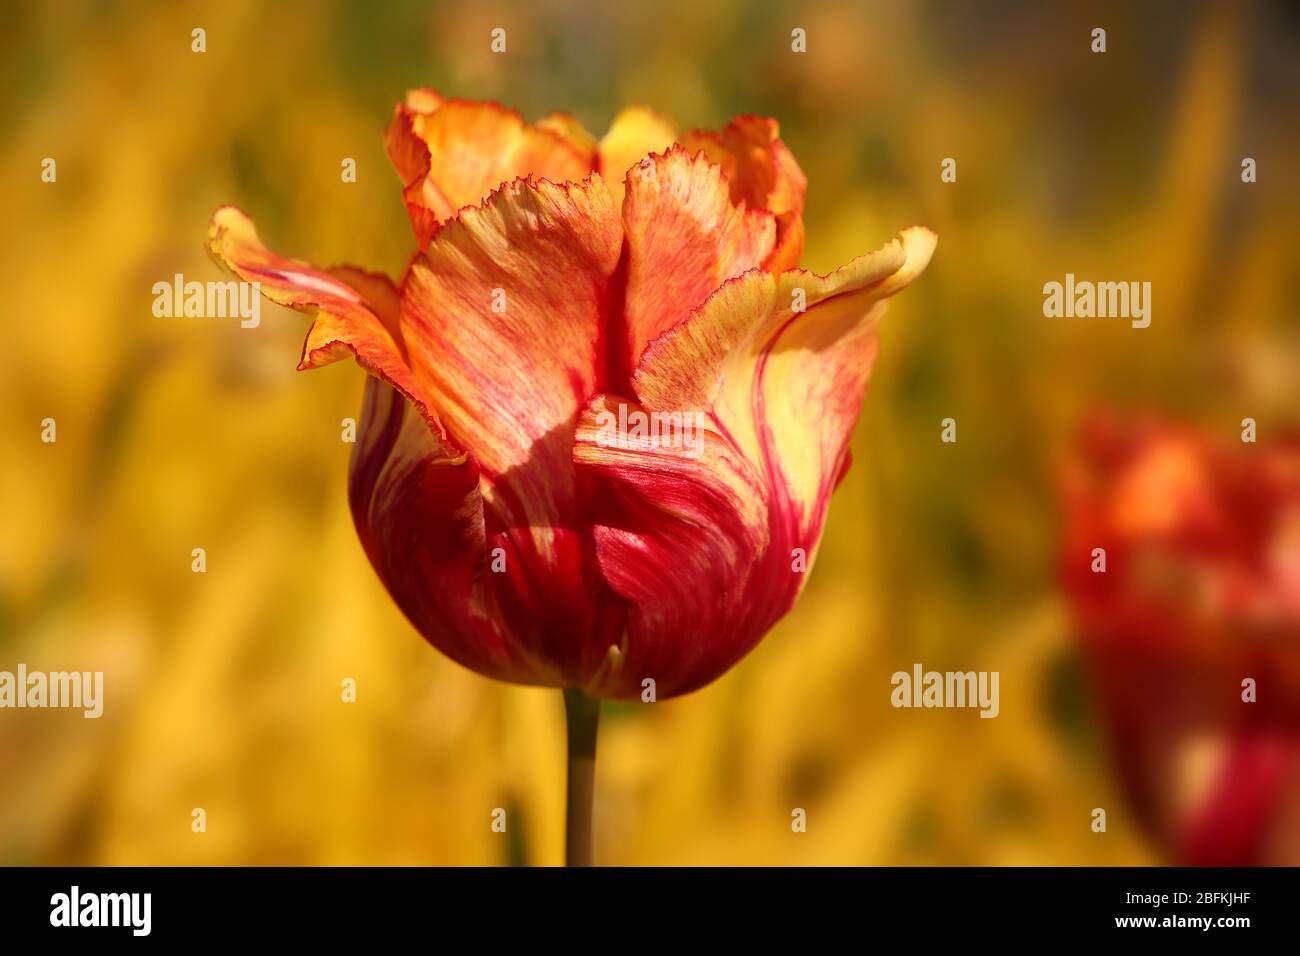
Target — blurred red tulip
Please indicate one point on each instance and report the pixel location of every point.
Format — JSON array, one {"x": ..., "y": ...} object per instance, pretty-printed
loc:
[
  {"x": 1199, "y": 597},
  {"x": 563, "y": 287}
]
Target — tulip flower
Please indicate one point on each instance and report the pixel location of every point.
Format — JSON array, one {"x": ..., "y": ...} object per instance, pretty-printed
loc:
[
  {"x": 605, "y": 410},
  {"x": 1192, "y": 632}
]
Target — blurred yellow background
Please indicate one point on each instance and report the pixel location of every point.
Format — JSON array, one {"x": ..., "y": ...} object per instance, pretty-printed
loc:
[{"x": 223, "y": 689}]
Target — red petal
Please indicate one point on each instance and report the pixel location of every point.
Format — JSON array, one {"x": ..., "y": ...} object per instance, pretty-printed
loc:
[
  {"x": 705, "y": 547},
  {"x": 679, "y": 537},
  {"x": 419, "y": 514}
]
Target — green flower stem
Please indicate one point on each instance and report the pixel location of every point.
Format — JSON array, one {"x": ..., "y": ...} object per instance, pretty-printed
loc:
[{"x": 582, "y": 714}]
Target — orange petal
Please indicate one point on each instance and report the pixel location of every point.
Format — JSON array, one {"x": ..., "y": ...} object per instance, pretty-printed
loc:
[
  {"x": 685, "y": 237},
  {"x": 355, "y": 311},
  {"x": 451, "y": 153},
  {"x": 503, "y": 317},
  {"x": 636, "y": 132},
  {"x": 763, "y": 174}
]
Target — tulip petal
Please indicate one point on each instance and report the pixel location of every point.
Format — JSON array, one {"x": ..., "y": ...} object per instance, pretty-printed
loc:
[
  {"x": 678, "y": 536},
  {"x": 763, "y": 174},
  {"x": 414, "y": 495},
  {"x": 810, "y": 375},
  {"x": 503, "y": 317},
  {"x": 685, "y": 237},
  {"x": 779, "y": 391},
  {"x": 452, "y": 153},
  {"x": 635, "y": 133},
  {"x": 419, "y": 514},
  {"x": 355, "y": 311}
]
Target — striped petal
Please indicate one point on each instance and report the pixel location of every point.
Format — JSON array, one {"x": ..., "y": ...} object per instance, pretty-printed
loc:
[
  {"x": 777, "y": 391},
  {"x": 414, "y": 495},
  {"x": 503, "y": 315},
  {"x": 763, "y": 174},
  {"x": 790, "y": 392},
  {"x": 452, "y": 153},
  {"x": 355, "y": 311},
  {"x": 678, "y": 533},
  {"x": 685, "y": 237}
]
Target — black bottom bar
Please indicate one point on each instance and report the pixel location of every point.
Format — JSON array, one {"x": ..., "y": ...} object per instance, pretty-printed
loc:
[{"x": 609, "y": 906}]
